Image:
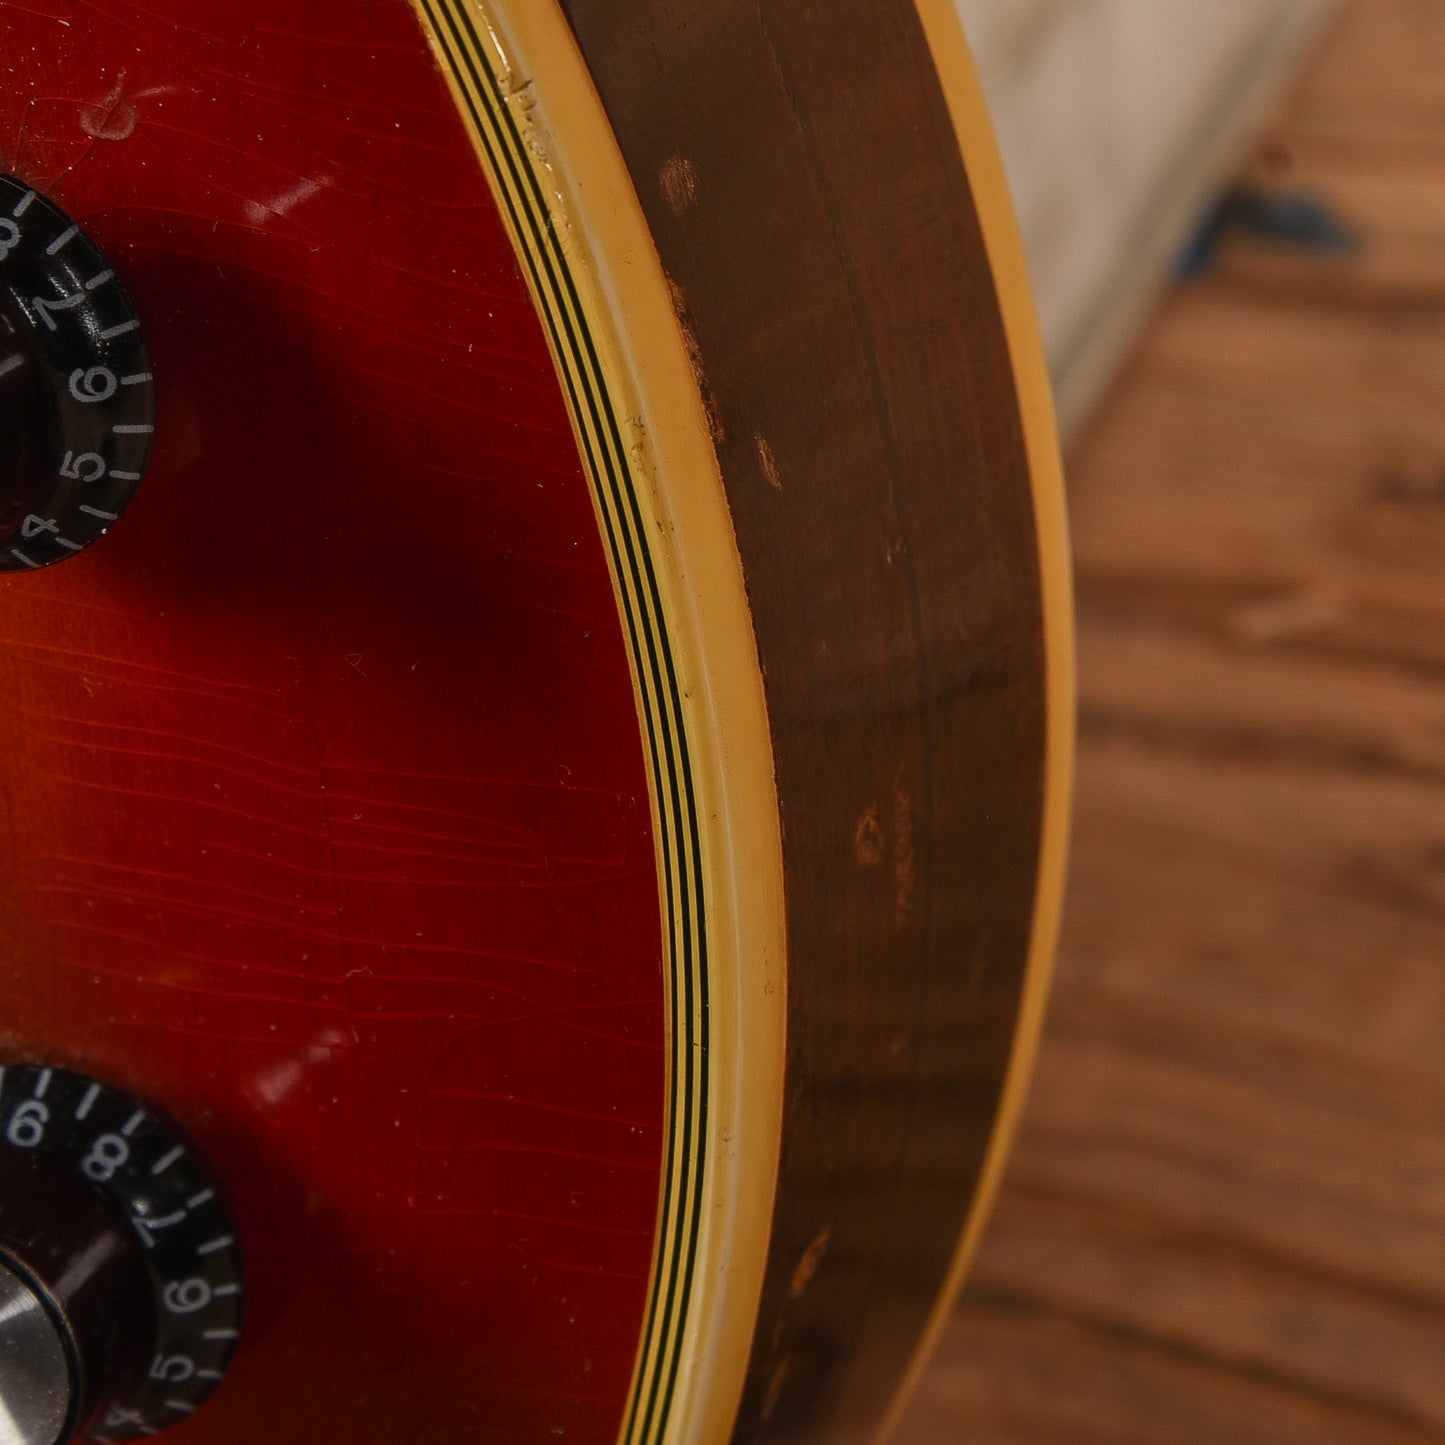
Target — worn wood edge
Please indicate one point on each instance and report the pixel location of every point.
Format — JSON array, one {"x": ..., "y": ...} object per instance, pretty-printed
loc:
[
  {"x": 1089, "y": 360},
  {"x": 984, "y": 166},
  {"x": 690, "y": 1369}
]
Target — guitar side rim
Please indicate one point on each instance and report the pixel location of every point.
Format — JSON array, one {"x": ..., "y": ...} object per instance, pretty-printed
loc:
[{"x": 984, "y": 164}]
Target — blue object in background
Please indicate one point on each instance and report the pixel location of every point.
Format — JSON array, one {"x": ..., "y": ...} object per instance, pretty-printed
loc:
[{"x": 1289, "y": 219}]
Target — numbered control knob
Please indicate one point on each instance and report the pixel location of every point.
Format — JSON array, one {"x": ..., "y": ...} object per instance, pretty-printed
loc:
[
  {"x": 77, "y": 399},
  {"x": 120, "y": 1281}
]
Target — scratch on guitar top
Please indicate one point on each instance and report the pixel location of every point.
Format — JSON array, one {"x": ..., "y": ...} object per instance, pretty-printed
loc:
[
  {"x": 768, "y": 462},
  {"x": 115, "y": 115},
  {"x": 804, "y": 1274},
  {"x": 112, "y": 117},
  {"x": 776, "y": 1382},
  {"x": 521, "y": 96},
  {"x": 679, "y": 183},
  {"x": 694, "y": 356},
  {"x": 868, "y": 841},
  {"x": 905, "y": 878},
  {"x": 810, "y": 1263},
  {"x": 259, "y": 212}
]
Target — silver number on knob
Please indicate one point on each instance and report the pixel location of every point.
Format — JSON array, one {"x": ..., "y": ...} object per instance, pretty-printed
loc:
[
  {"x": 87, "y": 467},
  {"x": 173, "y": 1368},
  {"x": 27, "y": 1124},
  {"x": 185, "y": 1297},
  {"x": 97, "y": 384},
  {"x": 106, "y": 1155}
]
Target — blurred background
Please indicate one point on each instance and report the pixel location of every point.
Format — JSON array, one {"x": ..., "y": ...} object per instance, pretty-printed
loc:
[{"x": 1225, "y": 1218}]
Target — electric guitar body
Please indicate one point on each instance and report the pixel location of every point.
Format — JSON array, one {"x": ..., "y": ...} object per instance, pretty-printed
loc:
[{"x": 551, "y": 796}]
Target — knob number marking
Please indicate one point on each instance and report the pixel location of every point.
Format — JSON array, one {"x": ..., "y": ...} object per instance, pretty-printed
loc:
[
  {"x": 97, "y": 384},
  {"x": 185, "y": 1297},
  {"x": 27, "y": 1124},
  {"x": 123, "y": 1424},
  {"x": 149, "y": 1228},
  {"x": 173, "y": 1369},
  {"x": 87, "y": 467},
  {"x": 47, "y": 309}
]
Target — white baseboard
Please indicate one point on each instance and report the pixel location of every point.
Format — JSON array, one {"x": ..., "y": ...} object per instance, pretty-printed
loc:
[{"x": 1119, "y": 122}]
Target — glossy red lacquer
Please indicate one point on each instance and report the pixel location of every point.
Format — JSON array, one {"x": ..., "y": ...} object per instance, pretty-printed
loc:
[{"x": 323, "y": 814}]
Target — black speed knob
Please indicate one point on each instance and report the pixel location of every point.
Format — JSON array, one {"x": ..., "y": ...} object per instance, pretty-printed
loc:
[
  {"x": 77, "y": 397},
  {"x": 120, "y": 1279}
]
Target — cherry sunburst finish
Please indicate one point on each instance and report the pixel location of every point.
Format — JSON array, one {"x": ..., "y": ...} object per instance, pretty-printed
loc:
[{"x": 555, "y": 783}]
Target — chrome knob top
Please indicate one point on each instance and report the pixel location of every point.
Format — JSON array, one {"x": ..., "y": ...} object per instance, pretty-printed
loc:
[{"x": 37, "y": 1383}]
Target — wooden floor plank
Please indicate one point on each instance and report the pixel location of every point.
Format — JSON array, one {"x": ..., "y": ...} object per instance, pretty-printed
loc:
[{"x": 1225, "y": 1219}]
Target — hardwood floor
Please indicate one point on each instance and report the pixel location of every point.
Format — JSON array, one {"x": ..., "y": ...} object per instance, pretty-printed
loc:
[{"x": 1225, "y": 1219}]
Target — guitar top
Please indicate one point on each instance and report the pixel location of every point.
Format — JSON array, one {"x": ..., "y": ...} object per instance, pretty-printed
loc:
[{"x": 535, "y": 702}]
